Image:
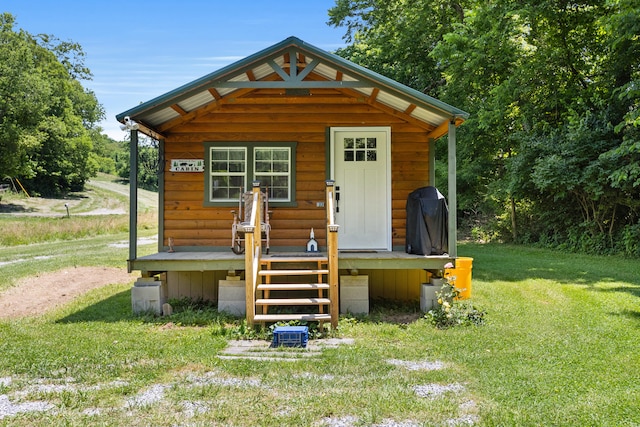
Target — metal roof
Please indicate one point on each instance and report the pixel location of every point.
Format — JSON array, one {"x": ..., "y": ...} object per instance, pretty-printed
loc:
[{"x": 292, "y": 64}]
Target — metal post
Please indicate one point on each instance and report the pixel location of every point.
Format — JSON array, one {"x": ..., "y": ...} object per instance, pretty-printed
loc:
[
  {"x": 432, "y": 162},
  {"x": 161, "y": 163},
  {"x": 453, "y": 203},
  {"x": 133, "y": 197}
]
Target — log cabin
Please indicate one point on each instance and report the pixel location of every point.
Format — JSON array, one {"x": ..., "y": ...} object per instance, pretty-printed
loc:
[{"x": 335, "y": 149}]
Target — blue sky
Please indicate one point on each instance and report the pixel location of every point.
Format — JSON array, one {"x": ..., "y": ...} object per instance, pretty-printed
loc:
[{"x": 141, "y": 49}]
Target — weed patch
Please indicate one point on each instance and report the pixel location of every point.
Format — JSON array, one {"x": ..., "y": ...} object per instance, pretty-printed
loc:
[{"x": 451, "y": 312}]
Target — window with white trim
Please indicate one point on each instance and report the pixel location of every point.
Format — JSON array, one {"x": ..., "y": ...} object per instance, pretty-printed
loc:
[
  {"x": 232, "y": 167},
  {"x": 272, "y": 168},
  {"x": 228, "y": 173}
]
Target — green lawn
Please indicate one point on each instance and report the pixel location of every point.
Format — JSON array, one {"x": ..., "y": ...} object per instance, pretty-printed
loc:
[{"x": 560, "y": 347}]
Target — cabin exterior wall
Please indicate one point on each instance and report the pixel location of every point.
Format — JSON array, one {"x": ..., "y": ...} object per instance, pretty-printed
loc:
[{"x": 191, "y": 224}]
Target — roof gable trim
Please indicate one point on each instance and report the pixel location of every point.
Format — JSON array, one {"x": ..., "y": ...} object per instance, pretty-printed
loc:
[{"x": 293, "y": 61}]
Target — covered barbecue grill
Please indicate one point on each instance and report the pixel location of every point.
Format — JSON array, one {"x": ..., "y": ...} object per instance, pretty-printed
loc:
[{"x": 427, "y": 215}]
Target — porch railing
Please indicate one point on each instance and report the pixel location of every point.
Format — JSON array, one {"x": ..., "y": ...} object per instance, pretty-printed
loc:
[
  {"x": 332, "y": 253},
  {"x": 253, "y": 251}
]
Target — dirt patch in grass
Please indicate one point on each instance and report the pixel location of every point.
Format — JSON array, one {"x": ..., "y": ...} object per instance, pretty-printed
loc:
[
  {"x": 36, "y": 295},
  {"x": 402, "y": 318}
]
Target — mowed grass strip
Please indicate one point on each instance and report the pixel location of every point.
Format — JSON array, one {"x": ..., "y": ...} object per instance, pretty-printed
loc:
[
  {"x": 560, "y": 347},
  {"x": 24, "y": 230}
]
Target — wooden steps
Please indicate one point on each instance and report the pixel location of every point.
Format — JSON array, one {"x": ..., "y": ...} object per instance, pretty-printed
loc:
[
  {"x": 288, "y": 292},
  {"x": 294, "y": 258},
  {"x": 266, "y": 273},
  {"x": 293, "y": 301},
  {"x": 309, "y": 317},
  {"x": 292, "y": 286}
]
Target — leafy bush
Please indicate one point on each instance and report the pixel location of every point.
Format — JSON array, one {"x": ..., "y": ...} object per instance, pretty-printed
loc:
[
  {"x": 630, "y": 240},
  {"x": 451, "y": 312}
]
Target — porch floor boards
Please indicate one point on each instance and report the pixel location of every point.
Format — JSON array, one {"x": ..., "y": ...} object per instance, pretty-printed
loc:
[{"x": 227, "y": 260}]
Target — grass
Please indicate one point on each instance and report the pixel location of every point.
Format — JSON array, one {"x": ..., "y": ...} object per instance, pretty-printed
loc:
[
  {"x": 103, "y": 194},
  {"x": 31, "y": 245},
  {"x": 560, "y": 347},
  {"x": 108, "y": 250},
  {"x": 27, "y": 230}
]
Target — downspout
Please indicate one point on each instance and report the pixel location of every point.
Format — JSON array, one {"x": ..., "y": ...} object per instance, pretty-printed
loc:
[
  {"x": 133, "y": 198},
  {"x": 453, "y": 202}
]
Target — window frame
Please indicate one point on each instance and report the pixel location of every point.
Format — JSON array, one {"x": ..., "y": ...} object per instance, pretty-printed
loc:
[{"x": 250, "y": 161}]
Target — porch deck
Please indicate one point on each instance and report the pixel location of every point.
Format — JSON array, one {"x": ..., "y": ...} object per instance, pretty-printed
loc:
[{"x": 227, "y": 261}]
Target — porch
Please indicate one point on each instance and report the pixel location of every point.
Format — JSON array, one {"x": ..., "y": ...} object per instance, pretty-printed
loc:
[
  {"x": 312, "y": 277},
  {"x": 348, "y": 261},
  {"x": 304, "y": 292}
]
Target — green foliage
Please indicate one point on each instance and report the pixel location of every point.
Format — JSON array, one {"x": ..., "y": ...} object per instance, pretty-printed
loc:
[
  {"x": 45, "y": 113},
  {"x": 452, "y": 312},
  {"x": 148, "y": 163},
  {"x": 29, "y": 230},
  {"x": 630, "y": 240},
  {"x": 106, "y": 152},
  {"x": 552, "y": 89}
]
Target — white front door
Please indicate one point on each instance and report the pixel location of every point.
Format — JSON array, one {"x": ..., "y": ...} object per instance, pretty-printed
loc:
[{"x": 361, "y": 168}]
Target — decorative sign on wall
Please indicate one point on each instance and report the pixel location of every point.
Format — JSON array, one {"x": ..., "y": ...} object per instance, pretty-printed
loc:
[{"x": 187, "y": 165}]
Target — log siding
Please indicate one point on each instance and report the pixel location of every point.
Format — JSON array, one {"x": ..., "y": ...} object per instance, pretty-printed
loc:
[{"x": 257, "y": 118}]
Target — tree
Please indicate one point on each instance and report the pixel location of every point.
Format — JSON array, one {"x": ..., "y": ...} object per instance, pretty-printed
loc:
[
  {"x": 148, "y": 163},
  {"x": 45, "y": 113},
  {"x": 395, "y": 37},
  {"x": 553, "y": 91},
  {"x": 106, "y": 151}
]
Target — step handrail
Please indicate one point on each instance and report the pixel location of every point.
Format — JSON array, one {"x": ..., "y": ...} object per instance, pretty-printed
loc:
[
  {"x": 253, "y": 250},
  {"x": 332, "y": 253}
]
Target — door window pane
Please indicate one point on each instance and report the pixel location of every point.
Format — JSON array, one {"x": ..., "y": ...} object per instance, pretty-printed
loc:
[{"x": 360, "y": 149}]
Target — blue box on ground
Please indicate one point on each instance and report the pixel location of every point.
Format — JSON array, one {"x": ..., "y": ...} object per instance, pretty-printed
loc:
[{"x": 290, "y": 336}]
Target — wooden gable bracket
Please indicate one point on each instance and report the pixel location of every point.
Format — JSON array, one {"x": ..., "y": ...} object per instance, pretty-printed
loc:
[
  {"x": 293, "y": 75},
  {"x": 216, "y": 95},
  {"x": 374, "y": 94},
  {"x": 291, "y": 79},
  {"x": 217, "y": 103},
  {"x": 400, "y": 114},
  {"x": 293, "y": 63},
  {"x": 178, "y": 109},
  {"x": 150, "y": 132},
  {"x": 281, "y": 72},
  {"x": 443, "y": 128}
]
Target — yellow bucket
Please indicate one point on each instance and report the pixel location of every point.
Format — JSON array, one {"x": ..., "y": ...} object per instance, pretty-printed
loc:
[{"x": 461, "y": 276}]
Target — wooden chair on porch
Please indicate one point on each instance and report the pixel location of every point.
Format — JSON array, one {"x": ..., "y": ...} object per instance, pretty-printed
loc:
[{"x": 242, "y": 218}]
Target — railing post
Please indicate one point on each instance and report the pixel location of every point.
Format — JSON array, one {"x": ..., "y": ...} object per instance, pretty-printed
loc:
[
  {"x": 249, "y": 274},
  {"x": 256, "y": 214},
  {"x": 253, "y": 250},
  {"x": 332, "y": 254}
]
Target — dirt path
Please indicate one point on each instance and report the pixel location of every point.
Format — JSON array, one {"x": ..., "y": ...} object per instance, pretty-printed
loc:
[{"x": 36, "y": 295}]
